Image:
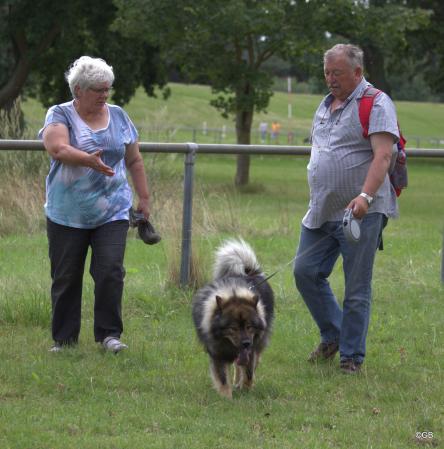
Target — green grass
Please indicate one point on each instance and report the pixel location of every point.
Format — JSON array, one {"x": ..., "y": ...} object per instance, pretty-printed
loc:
[
  {"x": 158, "y": 394},
  {"x": 181, "y": 117}
]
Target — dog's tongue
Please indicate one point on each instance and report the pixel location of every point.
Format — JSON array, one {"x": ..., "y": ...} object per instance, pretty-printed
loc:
[{"x": 243, "y": 357}]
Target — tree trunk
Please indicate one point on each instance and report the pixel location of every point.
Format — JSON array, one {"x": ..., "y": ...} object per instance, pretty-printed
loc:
[
  {"x": 25, "y": 58},
  {"x": 244, "y": 120},
  {"x": 11, "y": 90}
]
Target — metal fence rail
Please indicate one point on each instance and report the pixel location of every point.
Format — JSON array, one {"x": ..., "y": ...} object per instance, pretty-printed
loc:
[
  {"x": 190, "y": 150},
  {"x": 208, "y": 148}
]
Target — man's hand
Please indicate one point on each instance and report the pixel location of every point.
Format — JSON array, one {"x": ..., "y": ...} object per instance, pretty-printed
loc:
[{"x": 359, "y": 206}]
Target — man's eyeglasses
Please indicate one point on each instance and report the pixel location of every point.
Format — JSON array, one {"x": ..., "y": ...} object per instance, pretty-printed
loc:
[{"x": 101, "y": 90}]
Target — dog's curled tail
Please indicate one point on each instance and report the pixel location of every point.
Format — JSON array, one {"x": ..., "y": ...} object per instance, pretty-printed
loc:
[{"x": 235, "y": 258}]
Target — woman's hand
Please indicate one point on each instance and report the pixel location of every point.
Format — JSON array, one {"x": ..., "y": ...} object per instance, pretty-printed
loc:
[
  {"x": 95, "y": 162},
  {"x": 144, "y": 207},
  {"x": 56, "y": 141}
]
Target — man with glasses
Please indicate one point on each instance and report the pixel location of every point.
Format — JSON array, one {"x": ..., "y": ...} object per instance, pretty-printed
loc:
[{"x": 346, "y": 172}]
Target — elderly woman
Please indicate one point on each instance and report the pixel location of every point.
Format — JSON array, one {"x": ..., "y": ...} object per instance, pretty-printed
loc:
[{"x": 91, "y": 144}]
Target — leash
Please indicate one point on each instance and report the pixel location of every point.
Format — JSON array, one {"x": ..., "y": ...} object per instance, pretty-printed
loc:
[
  {"x": 272, "y": 274},
  {"x": 282, "y": 267},
  {"x": 352, "y": 232}
]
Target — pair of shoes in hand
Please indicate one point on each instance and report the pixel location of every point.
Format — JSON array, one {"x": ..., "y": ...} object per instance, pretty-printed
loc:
[{"x": 145, "y": 229}]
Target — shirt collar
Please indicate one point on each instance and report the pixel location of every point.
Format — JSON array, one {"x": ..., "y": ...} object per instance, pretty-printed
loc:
[{"x": 358, "y": 92}]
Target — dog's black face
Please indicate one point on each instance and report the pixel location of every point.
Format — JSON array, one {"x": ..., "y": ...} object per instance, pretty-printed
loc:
[{"x": 238, "y": 322}]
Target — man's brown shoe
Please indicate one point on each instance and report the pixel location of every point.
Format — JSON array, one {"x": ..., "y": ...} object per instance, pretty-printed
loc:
[
  {"x": 325, "y": 351},
  {"x": 349, "y": 366}
]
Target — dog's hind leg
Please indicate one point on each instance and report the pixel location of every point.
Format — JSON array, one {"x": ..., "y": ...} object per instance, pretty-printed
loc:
[{"x": 220, "y": 377}]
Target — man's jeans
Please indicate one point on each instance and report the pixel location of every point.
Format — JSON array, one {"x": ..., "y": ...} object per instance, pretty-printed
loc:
[
  {"x": 68, "y": 248},
  {"x": 316, "y": 256}
]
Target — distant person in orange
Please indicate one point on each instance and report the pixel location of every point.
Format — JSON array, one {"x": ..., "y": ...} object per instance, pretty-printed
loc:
[{"x": 275, "y": 130}]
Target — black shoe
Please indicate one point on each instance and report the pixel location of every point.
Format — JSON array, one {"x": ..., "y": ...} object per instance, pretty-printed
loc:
[
  {"x": 147, "y": 233},
  {"x": 324, "y": 351},
  {"x": 349, "y": 366},
  {"x": 145, "y": 229}
]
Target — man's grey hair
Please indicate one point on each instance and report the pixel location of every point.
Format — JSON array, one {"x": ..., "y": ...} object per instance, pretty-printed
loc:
[
  {"x": 86, "y": 72},
  {"x": 353, "y": 53}
]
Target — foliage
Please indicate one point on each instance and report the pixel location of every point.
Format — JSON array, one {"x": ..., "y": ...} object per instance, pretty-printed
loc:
[
  {"x": 135, "y": 64},
  {"x": 226, "y": 43},
  {"x": 40, "y": 39},
  {"x": 412, "y": 87},
  {"x": 426, "y": 47},
  {"x": 380, "y": 28}
]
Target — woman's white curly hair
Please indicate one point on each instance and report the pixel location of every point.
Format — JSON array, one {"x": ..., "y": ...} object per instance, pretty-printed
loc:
[{"x": 86, "y": 72}]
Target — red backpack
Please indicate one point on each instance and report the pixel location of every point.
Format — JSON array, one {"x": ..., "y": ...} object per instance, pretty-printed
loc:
[{"x": 398, "y": 167}]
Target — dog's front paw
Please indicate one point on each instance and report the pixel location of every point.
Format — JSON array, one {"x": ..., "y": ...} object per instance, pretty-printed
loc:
[
  {"x": 247, "y": 384},
  {"x": 225, "y": 391}
]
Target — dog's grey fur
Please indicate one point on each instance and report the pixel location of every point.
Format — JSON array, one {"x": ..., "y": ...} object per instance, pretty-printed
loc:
[{"x": 233, "y": 315}]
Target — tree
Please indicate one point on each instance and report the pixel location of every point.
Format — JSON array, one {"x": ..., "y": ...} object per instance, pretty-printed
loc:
[
  {"x": 20, "y": 50},
  {"x": 227, "y": 43},
  {"x": 135, "y": 63},
  {"x": 25, "y": 35},
  {"x": 427, "y": 47},
  {"x": 38, "y": 41},
  {"x": 379, "y": 27}
]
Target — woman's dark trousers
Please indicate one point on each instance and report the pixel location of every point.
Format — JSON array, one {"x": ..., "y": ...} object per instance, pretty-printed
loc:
[{"x": 68, "y": 248}]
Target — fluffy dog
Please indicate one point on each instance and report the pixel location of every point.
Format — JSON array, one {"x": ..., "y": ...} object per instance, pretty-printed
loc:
[{"x": 233, "y": 316}]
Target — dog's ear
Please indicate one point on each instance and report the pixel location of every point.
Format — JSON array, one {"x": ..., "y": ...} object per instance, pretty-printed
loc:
[
  {"x": 219, "y": 302},
  {"x": 255, "y": 300}
]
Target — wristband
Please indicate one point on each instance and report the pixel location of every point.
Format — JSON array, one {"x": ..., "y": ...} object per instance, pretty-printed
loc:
[{"x": 367, "y": 197}]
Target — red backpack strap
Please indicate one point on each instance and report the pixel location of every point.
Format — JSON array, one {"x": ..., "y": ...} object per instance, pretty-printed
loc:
[{"x": 365, "y": 107}]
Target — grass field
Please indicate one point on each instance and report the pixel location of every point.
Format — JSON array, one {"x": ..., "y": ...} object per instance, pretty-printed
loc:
[
  {"x": 181, "y": 118},
  {"x": 158, "y": 394}
]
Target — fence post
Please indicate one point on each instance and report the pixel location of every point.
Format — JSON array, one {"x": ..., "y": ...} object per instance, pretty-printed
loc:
[
  {"x": 187, "y": 214},
  {"x": 442, "y": 259}
]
